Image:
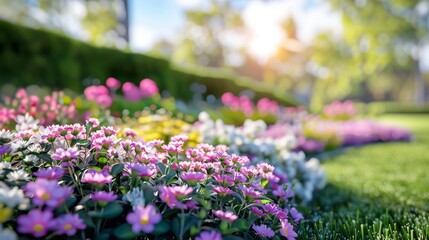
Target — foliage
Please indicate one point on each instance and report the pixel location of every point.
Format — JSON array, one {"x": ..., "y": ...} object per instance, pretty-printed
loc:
[{"x": 31, "y": 56}]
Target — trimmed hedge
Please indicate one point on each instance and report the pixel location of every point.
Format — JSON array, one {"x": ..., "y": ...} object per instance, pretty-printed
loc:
[{"x": 30, "y": 56}]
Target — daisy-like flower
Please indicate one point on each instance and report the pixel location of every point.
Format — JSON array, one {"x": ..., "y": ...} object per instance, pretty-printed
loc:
[
  {"x": 287, "y": 230},
  {"x": 263, "y": 230},
  {"x": 222, "y": 190},
  {"x": 6, "y": 136},
  {"x": 93, "y": 176},
  {"x": 297, "y": 216},
  {"x": 272, "y": 208},
  {"x": 19, "y": 175},
  {"x": 143, "y": 170},
  {"x": 4, "y": 149},
  {"x": 224, "y": 180},
  {"x": 193, "y": 177},
  {"x": 134, "y": 197},
  {"x": 258, "y": 211},
  {"x": 47, "y": 192},
  {"x": 69, "y": 224},
  {"x": 250, "y": 192},
  {"x": 144, "y": 219},
  {"x": 12, "y": 197},
  {"x": 26, "y": 122},
  {"x": 65, "y": 154},
  {"x": 50, "y": 173},
  {"x": 226, "y": 216},
  {"x": 36, "y": 222},
  {"x": 103, "y": 197},
  {"x": 212, "y": 235},
  {"x": 173, "y": 196}
]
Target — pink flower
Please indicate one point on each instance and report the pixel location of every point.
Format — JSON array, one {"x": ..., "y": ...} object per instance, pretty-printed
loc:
[
  {"x": 222, "y": 190},
  {"x": 258, "y": 212},
  {"x": 65, "y": 154},
  {"x": 226, "y": 216},
  {"x": 263, "y": 230},
  {"x": 95, "y": 177},
  {"x": 50, "y": 173},
  {"x": 280, "y": 192},
  {"x": 103, "y": 197},
  {"x": 144, "y": 218},
  {"x": 212, "y": 235},
  {"x": 193, "y": 177},
  {"x": 131, "y": 92},
  {"x": 47, "y": 192},
  {"x": 173, "y": 195},
  {"x": 36, "y": 222},
  {"x": 287, "y": 230},
  {"x": 113, "y": 83},
  {"x": 68, "y": 224},
  {"x": 148, "y": 88},
  {"x": 224, "y": 180},
  {"x": 144, "y": 170},
  {"x": 297, "y": 216},
  {"x": 249, "y": 192}
]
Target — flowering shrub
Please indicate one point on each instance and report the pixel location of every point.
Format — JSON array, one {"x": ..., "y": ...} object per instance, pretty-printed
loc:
[
  {"x": 303, "y": 176},
  {"x": 48, "y": 110},
  {"x": 340, "y": 110},
  {"x": 84, "y": 182}
]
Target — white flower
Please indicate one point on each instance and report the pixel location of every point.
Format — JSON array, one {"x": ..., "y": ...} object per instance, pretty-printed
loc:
[
  {"x": 12, "y": 197},
  {"x": 7, "y": 234},
  {"x": 19, "y": 145},
  {"x": 6, "y": 136},
  {"x": 19, "y": 175},
  {"x": 134, "y": 197},
  {"x": 26, "y": 122}
]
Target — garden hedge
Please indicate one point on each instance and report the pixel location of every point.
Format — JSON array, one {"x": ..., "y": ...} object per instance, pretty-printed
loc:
[{"x": 32, "y": 56}]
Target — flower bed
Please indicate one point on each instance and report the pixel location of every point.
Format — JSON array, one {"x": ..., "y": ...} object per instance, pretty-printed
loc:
[{"x": 83, "y": 182}]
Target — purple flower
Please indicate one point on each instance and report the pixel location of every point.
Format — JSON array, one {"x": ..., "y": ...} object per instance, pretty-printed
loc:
[
  {"x": 36, "y": 222},
  {"x": 258, "y": 212},
  {"x": 47, "y": 192},
  {"x": 227, "y": 215},
  {"x": 280, "y": 192},
  {"x": 297, "y": 216},
  {"x": 224, "y": 180},
  {"x": 212, "y": 235},
  {"x": 4, "y": 149},
  {"x": 287, "y": 230},
  {"x": 95, "y": 177},
  {"x": 144, "y": 218},
  {"x": 173, "y": 195},
  {"x": 263, "y": 230},
  {"x": 103, "y": 197},
  {"x": 50, "y": 173},
  {"x": 68, "y": 224},
  {"x": 65, "y": 154},
  {"x": 249, "y": 192},
  {"x": 271, "y": 208}
]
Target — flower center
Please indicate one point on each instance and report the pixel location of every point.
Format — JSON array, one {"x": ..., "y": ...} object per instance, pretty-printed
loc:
[
  {"x": 45, "y": 196},
  {"x": 285, "y": 231},
  {"x": 38, "y": 227},
  {"x": 67, "y": 227},
  {"x": 144, "y": 220}
]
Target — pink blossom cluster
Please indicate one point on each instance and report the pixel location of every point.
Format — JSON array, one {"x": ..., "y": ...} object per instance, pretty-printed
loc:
[
  {"x": 104, "y": 95},
  {"x": 340, "y": 110},
  {"x": 243, "y": 103},
  {"x": 48, "y": 110}
]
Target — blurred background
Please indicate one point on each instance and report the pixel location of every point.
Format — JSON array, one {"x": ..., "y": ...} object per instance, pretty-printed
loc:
[{"x": 314, "y": 51}]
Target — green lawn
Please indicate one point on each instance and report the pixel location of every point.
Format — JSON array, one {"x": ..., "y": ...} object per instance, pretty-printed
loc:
[{"x": 379, "y": 191}]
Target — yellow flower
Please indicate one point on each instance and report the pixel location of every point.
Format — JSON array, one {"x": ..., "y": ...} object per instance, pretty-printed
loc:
[{"x": 5, "y": 213}]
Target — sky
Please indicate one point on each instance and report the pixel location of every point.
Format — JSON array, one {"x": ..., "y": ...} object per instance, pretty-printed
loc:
[{"x": 152, "y": 20}]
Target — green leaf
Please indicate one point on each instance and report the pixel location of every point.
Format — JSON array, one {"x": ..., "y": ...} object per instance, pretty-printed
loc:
[
  {"x": 124, "y": 231},
  {"x": 170, "y": 177},
  {"x": 111, "y": 210},
  {"x": 241, "y": 224},
  {"x": 161, "y": 167},
  {"x": 232, "y": 237},
  {"x": 230, "y": 231},
  {"x": 116, "y": 169},
  {"x": 86, "y": 219},
  {"x": 161, "y": 228},
  {"x": 45, "y": 157}
]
